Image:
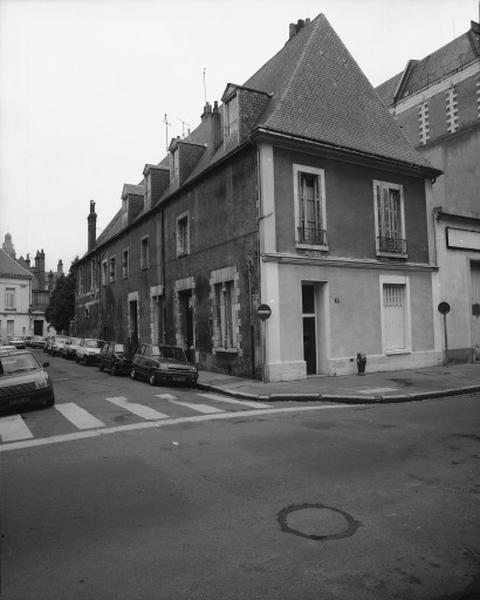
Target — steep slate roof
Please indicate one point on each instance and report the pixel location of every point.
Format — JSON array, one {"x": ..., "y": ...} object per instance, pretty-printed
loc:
[
  {"x": 10, "y": 267},
  {"x": 320, "y": 93},
  {"x": 455, "y": 55}
]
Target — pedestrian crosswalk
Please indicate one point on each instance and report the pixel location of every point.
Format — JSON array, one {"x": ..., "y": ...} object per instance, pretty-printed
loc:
[{"x": 15, "y": 428}]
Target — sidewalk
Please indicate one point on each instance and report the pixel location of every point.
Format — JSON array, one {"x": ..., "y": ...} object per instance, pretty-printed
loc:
[{"x": 390, "y": 386}]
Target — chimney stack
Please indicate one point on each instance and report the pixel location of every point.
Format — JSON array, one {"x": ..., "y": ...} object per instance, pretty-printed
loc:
[
  {"x": 92, "y": 226},
  {"x": 60, "y": 268},
  {"x": 294, "y": 28}
]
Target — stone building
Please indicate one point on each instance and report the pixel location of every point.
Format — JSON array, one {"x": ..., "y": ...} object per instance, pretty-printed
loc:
[
  {"x": 436, "y": 102},
  {"x": 297, "y": 191}
]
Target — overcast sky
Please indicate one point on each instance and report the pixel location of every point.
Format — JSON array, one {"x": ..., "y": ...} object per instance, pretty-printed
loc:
[{"x": 85, "y": 85}]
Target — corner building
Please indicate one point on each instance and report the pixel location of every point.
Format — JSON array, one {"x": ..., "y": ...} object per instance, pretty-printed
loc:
[{"x": 297, "y": 191}]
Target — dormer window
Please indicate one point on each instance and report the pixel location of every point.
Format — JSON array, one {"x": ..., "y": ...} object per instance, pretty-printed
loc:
[
  {"x": 231, "y": 117},
  {"x": 174, "y": 165}
]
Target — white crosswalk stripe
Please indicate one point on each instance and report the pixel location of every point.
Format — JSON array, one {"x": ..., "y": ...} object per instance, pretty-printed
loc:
[
  {"x": 78, "y": 416},
  {"x": 201, "y": 408},
  {"x": 150, "y": 414},
  {"x": 14, "y": 428},
  {"x": 219, "y": 398}
]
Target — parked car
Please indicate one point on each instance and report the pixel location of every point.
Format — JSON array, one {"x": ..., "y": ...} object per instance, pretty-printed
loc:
[
  {"x": 70, "y": 348},
  {"x": 23, "y": 380},
  {"x": 18, "y": 342},
  {"x": 48, "y": 343},
  {"x": 58, "y": 344},
  {"x": 163, "y": 365},
  {"x": 88, "y": 351},
  {"x": 6, "y": 348},
  {"x": 38, "y": 341},
  {"x": 114, "y": 358}
]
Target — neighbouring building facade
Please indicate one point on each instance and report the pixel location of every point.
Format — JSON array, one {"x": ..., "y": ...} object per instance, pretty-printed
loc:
[
  {"x": 436, "y": 102},
  {"x": 298, "y": 191},
  {"x": 31, "y": 306},
  {"x": 15, "y": 295}
]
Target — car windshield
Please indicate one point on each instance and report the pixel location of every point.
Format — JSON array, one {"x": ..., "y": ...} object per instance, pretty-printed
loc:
[
  {"x": 93, "y": 343},
  {"x": 119, "y": 348},
  {"x": 17, "y": 363},
  {"x": 75, "y": 340},
  {"x": 169, "y": 352},
  {"x": 61, "y": 340}
]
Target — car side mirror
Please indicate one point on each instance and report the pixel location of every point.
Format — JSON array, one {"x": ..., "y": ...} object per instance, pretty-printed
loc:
[{"x": 46, "y": 364}]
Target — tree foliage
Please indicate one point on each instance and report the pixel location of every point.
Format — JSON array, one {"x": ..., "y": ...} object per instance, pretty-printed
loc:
[{"x": 61, "y": 308}]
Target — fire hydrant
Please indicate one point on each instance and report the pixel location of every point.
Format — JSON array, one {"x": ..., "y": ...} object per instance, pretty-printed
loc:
[{"x": 361, "y": 363}]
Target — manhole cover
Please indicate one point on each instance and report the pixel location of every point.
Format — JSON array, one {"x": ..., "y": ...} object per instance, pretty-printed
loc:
[{"x": 317, "y": 522}]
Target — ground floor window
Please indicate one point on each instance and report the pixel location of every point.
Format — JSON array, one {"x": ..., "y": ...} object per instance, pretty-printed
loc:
[{"x": 225, "y": 309}]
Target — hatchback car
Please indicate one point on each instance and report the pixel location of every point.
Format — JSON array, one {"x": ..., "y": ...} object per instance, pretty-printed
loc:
[
  {"x": 18, "y": 342},
  {"x": 114, "y": 358},
  {"x": 163, "y": 365},
  {"x": 59, "y": 342},
  {"x": 23, "y": 380},
  {"x": 88, "y": 351},
  {"x": 70, "y": 348},
  {"x": 38, "y": 342}
]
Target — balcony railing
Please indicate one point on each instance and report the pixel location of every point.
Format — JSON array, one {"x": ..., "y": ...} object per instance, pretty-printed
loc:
[
  {"x": 312, "y": 236},
  {"x": 392, "y": 245}
]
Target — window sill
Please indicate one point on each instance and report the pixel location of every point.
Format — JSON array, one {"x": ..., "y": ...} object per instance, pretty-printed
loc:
[
  {"x": 10, "y": 309},
  {"x": 181, "y": 254},
  {"x": 300, "y": 246},
  {"x": 226, "y": 350},
  {"x": 392, "y": 254},
  {"x": 397, "y": 351},
  {"x": 144, "y": 268}
]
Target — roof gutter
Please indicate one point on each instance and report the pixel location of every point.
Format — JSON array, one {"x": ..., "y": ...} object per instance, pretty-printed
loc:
[{"x": 349, "y": 152}]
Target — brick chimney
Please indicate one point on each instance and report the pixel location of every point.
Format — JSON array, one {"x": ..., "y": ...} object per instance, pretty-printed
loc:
[
  {"x": 294, "y": 28},
  {"x": 60, "y": 267},
  {"x": 41, "y": 269},
  {"x": 92, "y": 226}
]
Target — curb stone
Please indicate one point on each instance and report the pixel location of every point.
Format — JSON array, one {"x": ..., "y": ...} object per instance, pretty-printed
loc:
[{"x": 343, "y": 398}]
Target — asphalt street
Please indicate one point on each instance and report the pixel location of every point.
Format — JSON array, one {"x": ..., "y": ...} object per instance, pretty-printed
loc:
[{"x": 222, "y": 500}]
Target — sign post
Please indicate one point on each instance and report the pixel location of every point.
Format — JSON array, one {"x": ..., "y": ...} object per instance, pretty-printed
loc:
[
  {"x": 263, "y": 313},
  {"x": 444, "y": 309}
]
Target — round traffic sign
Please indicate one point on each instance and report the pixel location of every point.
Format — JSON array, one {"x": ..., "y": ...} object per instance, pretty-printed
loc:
[
  {"x": 444, "y": 308},
  {"x": 264, "y": 311}
]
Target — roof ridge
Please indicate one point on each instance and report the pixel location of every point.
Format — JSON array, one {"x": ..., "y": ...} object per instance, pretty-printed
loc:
[{"x": 313, "y": 24}]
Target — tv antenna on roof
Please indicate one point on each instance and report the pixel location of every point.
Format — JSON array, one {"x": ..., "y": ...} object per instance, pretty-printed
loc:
[
  {"x": 183, "y": 127},
  {"x": 165, "y": 120},
  {"x": 204, "y": 83}
]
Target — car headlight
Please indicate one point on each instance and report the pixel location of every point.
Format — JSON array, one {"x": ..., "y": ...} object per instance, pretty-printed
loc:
[{"x": 42, "y": 383}]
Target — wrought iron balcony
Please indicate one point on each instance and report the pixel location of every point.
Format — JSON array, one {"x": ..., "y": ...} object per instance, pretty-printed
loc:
[
  {"x": 312, "y": 236},
  {"x": 392, "y": 245}
]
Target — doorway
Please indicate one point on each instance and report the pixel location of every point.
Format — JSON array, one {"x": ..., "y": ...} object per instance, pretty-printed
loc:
[
  {"x": 185, "y": 300},
  {"x": 475, "y": 326},
  {"x": 309, "y": 319}
]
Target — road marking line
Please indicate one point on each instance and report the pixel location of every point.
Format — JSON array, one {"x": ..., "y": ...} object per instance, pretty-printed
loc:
[
  {"x": 219, "y": 398},
  {"x": 166, "y": 396},
  {"x": 14, "y": 428},
  {"x": 201, "y": 408},
  {"x": 82, "y": 435},
  {"x": 78, "y": 416},
  {"x": 150, "y": 414}
]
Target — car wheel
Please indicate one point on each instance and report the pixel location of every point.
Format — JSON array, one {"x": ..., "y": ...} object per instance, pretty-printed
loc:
[
  {"x": 85, "y": 360},
  {"x": 76, "y": 359},
  {"x": 51, "y": 400},
  {"x": 133, "y": 373},
  {"x": 101, "y": 366},
  {"x": 114, "y": 370},
  {"x": 152, "y": 378}
]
